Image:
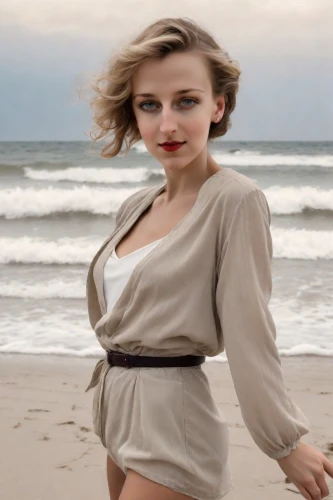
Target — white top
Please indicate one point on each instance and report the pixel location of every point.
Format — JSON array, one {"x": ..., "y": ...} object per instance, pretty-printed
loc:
[{"x": 118, "y": 270}]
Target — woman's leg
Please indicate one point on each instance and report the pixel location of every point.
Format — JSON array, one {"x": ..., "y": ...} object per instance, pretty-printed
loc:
[
  {"x": 116, "y": 478},
  {"x": 137, "y": 487}
]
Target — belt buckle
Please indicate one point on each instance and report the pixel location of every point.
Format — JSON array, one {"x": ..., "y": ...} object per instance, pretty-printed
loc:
[
  {"x": 130, "y": 360},
  {"x": 127, "y": 361}
]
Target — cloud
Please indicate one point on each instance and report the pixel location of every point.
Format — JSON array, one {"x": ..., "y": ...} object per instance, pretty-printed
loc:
[
  {"x": 284, "y": 48},
  {"x": 295, "y": 26}
]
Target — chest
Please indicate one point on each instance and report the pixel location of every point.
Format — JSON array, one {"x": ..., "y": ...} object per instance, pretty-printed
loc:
[
  {"x": 154, "y": 224},
  {"x": 186, "y": 257}
]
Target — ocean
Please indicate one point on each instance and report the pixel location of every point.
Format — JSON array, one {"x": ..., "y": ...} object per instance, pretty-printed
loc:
[{"x": 57, "y": 205}]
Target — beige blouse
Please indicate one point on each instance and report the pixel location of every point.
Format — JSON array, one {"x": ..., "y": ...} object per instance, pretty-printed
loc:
[{"x": 203, "y": 289}]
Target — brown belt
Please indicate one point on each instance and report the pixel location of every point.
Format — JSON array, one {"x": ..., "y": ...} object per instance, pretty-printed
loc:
[{"x": 116, "y": 358}]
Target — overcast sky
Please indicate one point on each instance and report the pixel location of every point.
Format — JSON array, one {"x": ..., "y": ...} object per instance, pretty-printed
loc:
[{"x": 285, "y": 50}]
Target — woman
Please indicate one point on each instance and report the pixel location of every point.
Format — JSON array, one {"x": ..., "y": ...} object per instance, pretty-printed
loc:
[{"x": 185, "y": 274}]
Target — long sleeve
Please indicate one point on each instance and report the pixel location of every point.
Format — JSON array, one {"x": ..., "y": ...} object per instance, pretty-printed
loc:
[{"x": 242, "y": 296}]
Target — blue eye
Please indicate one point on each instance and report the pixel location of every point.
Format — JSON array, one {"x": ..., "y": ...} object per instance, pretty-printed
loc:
[
  {"x": 191, "y": 100},
  {"x": 141, "y": 106},
  {"x": 151, "y": 104}
]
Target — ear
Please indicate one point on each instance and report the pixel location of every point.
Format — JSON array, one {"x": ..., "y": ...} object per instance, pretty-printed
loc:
[{"x": 219, "y": 109}]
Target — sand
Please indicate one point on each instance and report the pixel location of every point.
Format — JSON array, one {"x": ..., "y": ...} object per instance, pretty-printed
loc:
[{"x": 49, "y": 450}]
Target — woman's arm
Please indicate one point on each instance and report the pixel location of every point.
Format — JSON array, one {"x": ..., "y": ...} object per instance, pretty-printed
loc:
[{"x": 242, "y": 296}]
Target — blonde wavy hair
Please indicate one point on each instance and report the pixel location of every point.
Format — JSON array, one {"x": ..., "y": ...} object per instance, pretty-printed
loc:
[{"x": 112, "y": 103}]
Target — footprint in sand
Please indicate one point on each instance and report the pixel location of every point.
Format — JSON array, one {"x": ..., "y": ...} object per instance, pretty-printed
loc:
[
  {"x": 39, "y": 410},
  {"x": 67, "y": 467},
  {"x": 44, "y": 438},
  {"x": 293, "y": 491},
  {"x": 85, "y": 429}
]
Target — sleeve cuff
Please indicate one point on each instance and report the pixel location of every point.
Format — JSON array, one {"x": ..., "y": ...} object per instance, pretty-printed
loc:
[{"x": 286, "y": 451}]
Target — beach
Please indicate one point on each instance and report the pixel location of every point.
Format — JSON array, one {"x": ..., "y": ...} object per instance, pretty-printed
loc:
[
  {"x": 58, "y": 203},
  {"x": 49, "y": 450}
]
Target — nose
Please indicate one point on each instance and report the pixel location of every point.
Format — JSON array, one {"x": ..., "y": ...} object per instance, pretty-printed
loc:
[{"x": 168, "y": 122}]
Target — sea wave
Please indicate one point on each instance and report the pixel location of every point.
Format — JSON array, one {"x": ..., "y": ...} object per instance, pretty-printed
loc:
[
  {"x": 302, "y": 244},
  {"x": 298, "y": 350},
  {"x": 295, "y": 200},
  {"x": 246, "y": 158},
  {"x": 62, "y": 331},
  {"x": 17, "y": 203},
  {"x": 63, "y": 328},
  {"x": 51, "y": 289},
  {"x": 97, "y": 352},
  {"x": 14, "y": 165},
  {"x": 287, "y": 244},
  {"x": 29, "y": 250},
  {"x": 236, "y": 157},
  {"x": 96, "y": 175},
  {"x": 256, "y": 159}
]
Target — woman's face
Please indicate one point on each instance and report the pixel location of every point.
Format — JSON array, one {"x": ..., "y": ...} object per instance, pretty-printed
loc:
[{"x": 166, "y": 110}]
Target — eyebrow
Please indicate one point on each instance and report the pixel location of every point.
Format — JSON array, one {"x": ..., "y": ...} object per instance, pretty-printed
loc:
[{"x": 184, "y": 91}]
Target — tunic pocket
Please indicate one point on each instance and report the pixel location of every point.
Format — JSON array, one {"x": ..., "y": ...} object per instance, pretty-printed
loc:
[
  {"x": 207, "y": 433},
  {"x": 162, "y": 415}
]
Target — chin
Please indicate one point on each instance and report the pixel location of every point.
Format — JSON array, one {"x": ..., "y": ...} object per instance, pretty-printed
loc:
[{"x": 175, "y": 163}]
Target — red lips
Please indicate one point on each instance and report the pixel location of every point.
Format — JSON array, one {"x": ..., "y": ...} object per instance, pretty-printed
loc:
[
  {"x": 171, "y": 143},
  {"x": 172, "y": 146}
]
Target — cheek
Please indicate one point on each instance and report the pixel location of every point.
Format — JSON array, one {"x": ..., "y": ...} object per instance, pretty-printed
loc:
[
  {"x": 198, "y": 127},
  {"x": 146, "y": 127},
  {"x": 198, "y": 121}
]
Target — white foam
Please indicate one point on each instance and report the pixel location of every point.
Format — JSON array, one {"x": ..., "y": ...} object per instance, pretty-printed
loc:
[
  {"x": 256, "y": 159},
  {"x": 93, "y": 175},
  {"x": 67, "y": 332},
  {"x": 299, "y": 350},
  {"x": 287, "y": 244},
  {"x": 302, "y": 327},
  {"x": 51, "y": 289},
  {"x": 41, "y": 331},
  {"x": 302, "y": 321},
  {"x": 27, "y": 250},
  {"x": 31, "y": 202},
  {"x": 302, "y": 244},
  {"x": 245, "y": 158},
  {"x": 304, "y": 349},
  {"x": 22, "y": 348},
  {"x": 293, "y": 200}
]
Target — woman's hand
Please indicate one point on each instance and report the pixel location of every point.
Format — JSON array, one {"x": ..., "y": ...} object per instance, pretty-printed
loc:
[{"x": 305, "y": 467}]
